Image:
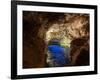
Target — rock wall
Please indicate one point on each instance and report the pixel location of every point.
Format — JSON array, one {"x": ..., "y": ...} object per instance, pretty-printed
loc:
[
  {"x": 37, "y": 24},
  {"x": 79, "y": 54},
  {"x": 33, "y": 45}
]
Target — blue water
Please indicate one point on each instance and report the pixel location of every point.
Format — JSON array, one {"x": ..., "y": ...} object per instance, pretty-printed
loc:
[{"x": 58, "y": 55}]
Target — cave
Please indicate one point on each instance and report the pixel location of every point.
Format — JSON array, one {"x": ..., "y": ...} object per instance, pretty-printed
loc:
[{"x": 68, "y": 31}]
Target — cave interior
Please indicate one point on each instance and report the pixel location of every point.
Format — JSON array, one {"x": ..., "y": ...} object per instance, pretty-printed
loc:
[{"x": 69, "y": 31}]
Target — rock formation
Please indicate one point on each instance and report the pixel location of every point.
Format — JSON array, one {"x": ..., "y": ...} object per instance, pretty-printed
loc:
[{"x": 35, "y": 27}]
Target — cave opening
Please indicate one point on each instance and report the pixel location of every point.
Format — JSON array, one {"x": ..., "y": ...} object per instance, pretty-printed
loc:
[{"x": 58, "y": 46}]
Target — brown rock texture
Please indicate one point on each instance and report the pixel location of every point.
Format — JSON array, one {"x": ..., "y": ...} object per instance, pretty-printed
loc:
[
  {"x": 79, "y": 54},
  {"x": 35, "y": 26}
]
